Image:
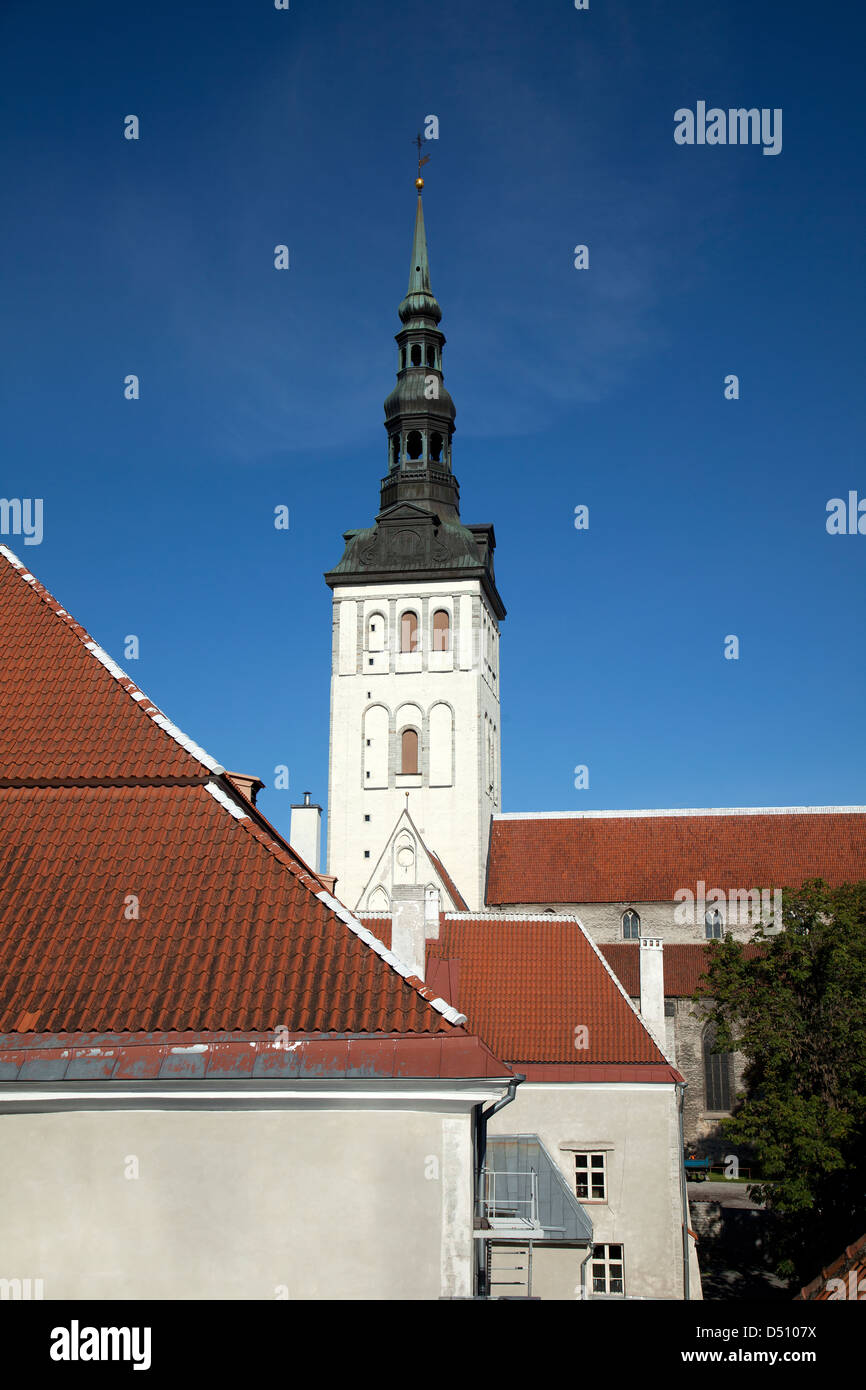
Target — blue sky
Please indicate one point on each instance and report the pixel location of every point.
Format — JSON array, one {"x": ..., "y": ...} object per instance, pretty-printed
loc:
[{"x": 602, "y": 387}]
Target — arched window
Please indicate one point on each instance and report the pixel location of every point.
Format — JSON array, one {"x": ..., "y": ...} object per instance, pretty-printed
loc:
[
  {"x": 436, "y": 442},
  {"x": 414, "y": 444},
  {"x": 416, "y": 355},
  {"x": 402, "y": 357},
  {"x": 376, "y": 632},
  {"x": 714, "y": 924},
  {"x": 395, "y": 449},
  {"x": 409, "y": 751},
  {"x": 441, "y": 631},
  {"x": 409, "y": 632},
  {"x": 718, "y": 1069},
  {"x": 630, "y": 925},
  {"x": 431, "y": 355}
]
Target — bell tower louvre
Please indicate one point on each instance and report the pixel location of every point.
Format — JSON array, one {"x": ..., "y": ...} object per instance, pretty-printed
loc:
[{"x": 415, "y": 655}]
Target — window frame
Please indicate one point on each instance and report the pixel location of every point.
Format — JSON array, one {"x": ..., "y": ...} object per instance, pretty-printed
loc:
[
  {"x": 631, "y": 935},
  {"x": 590, "y": 1169},
  {"x": 601, "y": 1255}
]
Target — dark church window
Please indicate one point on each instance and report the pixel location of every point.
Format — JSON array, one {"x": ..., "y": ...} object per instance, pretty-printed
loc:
[
  {"x": 416, "y": 355},
  {"x": 630, "y": 926},
  {"x": 395, "y": 449},
  {"x": 431, "y": 356},
  {"x": 409, "y": 751},
  {"x": 713, "y": 923},
  {"x": 718, "y": 1067},
  {"x": 414, "y": 444},
  {"x": 402, "y": 357},
  {"x": 436, "y": 443}
]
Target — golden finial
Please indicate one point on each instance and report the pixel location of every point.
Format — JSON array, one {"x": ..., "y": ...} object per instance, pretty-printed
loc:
[{"x": 419, "y": 182}]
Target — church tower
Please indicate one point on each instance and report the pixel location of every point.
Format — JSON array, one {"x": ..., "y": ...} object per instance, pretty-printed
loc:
[{"x": 415, "y": 656}]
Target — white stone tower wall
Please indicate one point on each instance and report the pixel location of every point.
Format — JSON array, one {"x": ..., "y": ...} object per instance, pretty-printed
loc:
[{"x": 376, "y": 691}]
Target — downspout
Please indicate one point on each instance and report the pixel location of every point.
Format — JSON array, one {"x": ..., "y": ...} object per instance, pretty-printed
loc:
[
  {"x": 481, "y": 1154},
  {"x": 583, "y": 1293},
  {"x": 681, "y": 1094}
]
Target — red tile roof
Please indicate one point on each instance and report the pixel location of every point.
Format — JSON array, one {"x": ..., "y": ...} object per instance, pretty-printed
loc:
[
  {"x": 527, "y": 984},
  {"x": 849, "y": 1271},
  {"x": 152, "y": 896},
  {"x": 66, "y": 715},
  {"x": 647, "y": 858},
  {"x": 684, "y": 963}
]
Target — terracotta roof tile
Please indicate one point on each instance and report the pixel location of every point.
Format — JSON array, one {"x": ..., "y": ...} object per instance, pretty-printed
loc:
[
  {"x": 684, "y": 964},
  {"x": 849, "y": 1271},
  {"x": 647, "y": 858},
  {"x": 526, "y": 985},
  {"x": 68, "y": 712},
  {"x": 138, "y": 892}
]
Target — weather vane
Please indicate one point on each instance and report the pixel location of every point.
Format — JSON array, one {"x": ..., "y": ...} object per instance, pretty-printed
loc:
[{"x": 419, "y": 182}]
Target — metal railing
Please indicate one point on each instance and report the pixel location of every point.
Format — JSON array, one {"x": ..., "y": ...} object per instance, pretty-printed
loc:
[{"x": 508, "y": 1198}]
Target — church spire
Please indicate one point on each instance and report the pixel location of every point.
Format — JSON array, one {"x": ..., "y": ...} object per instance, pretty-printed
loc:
[{"x": 419, "y": 412}]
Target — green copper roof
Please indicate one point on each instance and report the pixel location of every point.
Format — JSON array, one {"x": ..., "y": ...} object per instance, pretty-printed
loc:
[{"x": 420, "y": 302}]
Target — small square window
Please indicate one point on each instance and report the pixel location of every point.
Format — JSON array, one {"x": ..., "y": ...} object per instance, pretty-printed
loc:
[
  {"x": 369, "y": 663},
  {"x": 366, "y": 818},
  {"x": 366, "y": 854}
]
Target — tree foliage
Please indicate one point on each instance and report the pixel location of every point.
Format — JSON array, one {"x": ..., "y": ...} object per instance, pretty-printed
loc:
[{"x": 798, "y": 1015}]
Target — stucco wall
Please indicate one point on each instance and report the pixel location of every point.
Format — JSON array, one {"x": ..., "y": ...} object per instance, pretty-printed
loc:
[
  {"x": 238, "y": 1204},
  {"x": 643, "y": 1211}
]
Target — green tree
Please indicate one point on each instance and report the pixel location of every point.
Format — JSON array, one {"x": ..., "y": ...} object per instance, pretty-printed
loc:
[{"x": 798, "y": 1014}]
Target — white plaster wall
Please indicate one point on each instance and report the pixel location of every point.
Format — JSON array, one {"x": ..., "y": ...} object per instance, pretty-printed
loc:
[
  {"x": 643, "y": 1211},
  {"x": 453, "y": 816},
  {"x": 238, "y": 1204}
]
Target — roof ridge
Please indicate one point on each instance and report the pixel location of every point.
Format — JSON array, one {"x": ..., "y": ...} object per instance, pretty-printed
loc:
[
  {"x": 343, "y": 913},
  {"x": 136, "y": 694}
]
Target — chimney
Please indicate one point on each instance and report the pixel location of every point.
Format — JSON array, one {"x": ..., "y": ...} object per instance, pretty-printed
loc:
[
  {"x": 652, "y": 986},
  {"x": 247, "y": 784},
  {"x": 305, "y": 829},
  {"x": 408, "y": 932}
]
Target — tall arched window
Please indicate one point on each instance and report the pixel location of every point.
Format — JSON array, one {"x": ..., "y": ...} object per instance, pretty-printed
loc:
[
  {"x": 416, "y": 355},
  {"x": 441, "y": 631},
  {"x": 409, "y": 751},
  {"x": 718, "y": 1070},
  {"x": 630, "y": 925},
  {"x": 409, "y": 632},
  {"x": 714, "y": 924}
]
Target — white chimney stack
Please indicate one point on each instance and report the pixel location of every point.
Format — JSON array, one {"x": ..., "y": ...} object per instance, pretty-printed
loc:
[
  {"x": 408, "y": 926},
  {"x": 305, "y": 829},
  {"x": 652, "y": 987}
]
